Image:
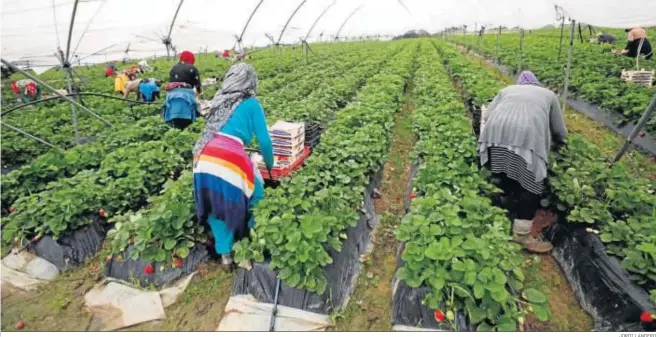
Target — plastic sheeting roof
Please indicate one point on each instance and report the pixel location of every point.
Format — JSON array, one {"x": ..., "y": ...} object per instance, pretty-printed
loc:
[{"x": 103, "y": 29}]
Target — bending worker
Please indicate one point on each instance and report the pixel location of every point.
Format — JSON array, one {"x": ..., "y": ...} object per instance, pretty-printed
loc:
[
  {"x": 181, "y": 108},
  {"x": 637, "y": 42},
  {"x": 520, "y": 125},
  {"x": 227, "y": 184},
  {"x": 149, "y": 89},
  {"x": 131, "y": 86},
  {"x": 606, "y": 38},
  {"x": 27, "y": 90},
  {"x": 119, "y": 83},
  {"x": 143, "y": 66}
]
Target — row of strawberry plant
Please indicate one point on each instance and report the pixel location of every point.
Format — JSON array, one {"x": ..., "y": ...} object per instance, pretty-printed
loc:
[
  {"x": 125, "y": 178},
  {"x": 588, "y": 192},
  {"x": 308, "y": 214},
  {"x": 455, "y": 240},
  {"x": 595, "y": 75},
  {"x": 55, "y": 121},
  {"x": 53, "y": 165},
  {"x": 168, "y": 226}
]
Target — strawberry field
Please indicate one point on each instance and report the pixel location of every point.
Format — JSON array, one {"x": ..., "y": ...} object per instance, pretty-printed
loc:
[{"x": 456, "y": 267}]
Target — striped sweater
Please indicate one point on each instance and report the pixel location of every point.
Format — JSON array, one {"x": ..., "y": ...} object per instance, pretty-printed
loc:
[{"x": 524, "y": 119}]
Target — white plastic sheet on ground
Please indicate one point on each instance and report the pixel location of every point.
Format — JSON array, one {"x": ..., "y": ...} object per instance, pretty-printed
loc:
[
  {"x": 414, "y": 329},
  {"x": 116, "y": 305},
  {"x": 245, "y": 313},
  {"x": 26, "y": 271}
]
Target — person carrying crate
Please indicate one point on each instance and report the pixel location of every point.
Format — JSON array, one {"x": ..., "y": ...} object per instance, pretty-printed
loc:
[
  {"x": 227, "y": 184},
  {"x": 521, "y": 124}
]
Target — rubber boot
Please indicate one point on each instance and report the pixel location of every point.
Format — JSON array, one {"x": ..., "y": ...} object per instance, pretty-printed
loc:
[
  {"x": 227, "y": 262},
  {"x": 522, "y": 235}
]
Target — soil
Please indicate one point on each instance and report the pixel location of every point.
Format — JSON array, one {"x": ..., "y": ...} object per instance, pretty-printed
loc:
[
  {"x": 370, "y": 307},
  {"x": 59, "y": 305}
]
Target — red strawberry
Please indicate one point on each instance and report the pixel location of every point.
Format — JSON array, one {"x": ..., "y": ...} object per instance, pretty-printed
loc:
[
  {"x": 178, "y": 262},
  {"x": 12, "y": 210},
  {"x": 413, "y": 195},
  {"x": 149, "y": 269},
  {"x": 102, "y": 213},
  {"x": 439, "y": 315},
  {"x": 20, "y": 325},
  {"x": 646, "y": 317}
]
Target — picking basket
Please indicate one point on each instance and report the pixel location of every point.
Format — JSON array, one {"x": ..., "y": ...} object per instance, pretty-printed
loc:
[
  {"x": 313, "y": 133},
  {"x": 286, "y": 171}
]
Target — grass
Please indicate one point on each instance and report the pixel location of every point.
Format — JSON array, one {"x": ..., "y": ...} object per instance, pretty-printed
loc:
[
  {"x": 544, "y": 274},
  {"x": 370, "y": 307}
]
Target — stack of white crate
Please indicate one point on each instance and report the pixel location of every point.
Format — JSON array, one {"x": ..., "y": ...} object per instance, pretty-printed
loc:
[
  {"x": 288, "y": 144},
  {"x": 639, "y": 77}
]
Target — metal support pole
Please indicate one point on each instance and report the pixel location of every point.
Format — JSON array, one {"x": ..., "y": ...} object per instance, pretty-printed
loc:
[
  {"x": 69, "y": 79},
  {"x": 29, "y": 135},
  {"x": 521, "y": 50},
  {"x": 569, "y": 63},
  {"x": 580, "y": 33},
  {"x": 274, "y": 312},
  {"x": 643, "y": 120},
  {"x": 498, "y": 39},
  {"x": 45, "y": 85},
  {"x": 562, "y": 29}
]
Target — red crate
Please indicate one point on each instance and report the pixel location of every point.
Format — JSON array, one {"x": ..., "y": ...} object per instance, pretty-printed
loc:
[{"x": 287, "y": 171}]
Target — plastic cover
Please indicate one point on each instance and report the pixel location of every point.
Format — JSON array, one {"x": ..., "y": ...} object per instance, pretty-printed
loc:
[
  {"x": 130, "y": 269},
  {"x": 100, "y": 35},
  {"x": 71, "y": 249},
  {"x": 342, "y": 274},
  {"x": 604, "y": 289}
]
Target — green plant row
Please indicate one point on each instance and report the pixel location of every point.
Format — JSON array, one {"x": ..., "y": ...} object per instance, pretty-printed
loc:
[
  {"x": 168, "y": 227},
  {"x": 455, "y": 240},
  {"x": 35, "y": 176},
  {"x": 620, "y": 205},
  {"x": 595, "y": 75},
  {"x": 55, "y": 120},
  {"x": 300, "y": 222},
  {"x": 122, "y": 182}
]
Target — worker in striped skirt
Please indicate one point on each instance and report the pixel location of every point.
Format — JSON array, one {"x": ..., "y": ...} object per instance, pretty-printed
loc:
[{"x": 521, "y": 125}]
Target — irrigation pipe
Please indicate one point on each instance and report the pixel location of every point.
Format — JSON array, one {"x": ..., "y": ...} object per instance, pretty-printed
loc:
[{"x": 72, "y": 95}]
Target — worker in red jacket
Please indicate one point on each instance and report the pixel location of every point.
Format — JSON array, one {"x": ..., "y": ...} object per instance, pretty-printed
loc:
[{"x": 226, "y": 54}]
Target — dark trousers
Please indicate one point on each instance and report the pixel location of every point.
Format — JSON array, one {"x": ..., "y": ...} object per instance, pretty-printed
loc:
[
  {"x": 521, "y": 203},
  {"x": 180, "y": 123},
  {"x": 632, "y": 47}
]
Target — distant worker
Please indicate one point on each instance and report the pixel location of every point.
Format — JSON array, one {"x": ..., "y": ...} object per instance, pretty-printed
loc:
[
  {"x": 227, "y": 184},
  {"x": 109, "y": 72},
  {"x": 606, "y": 38},
  {"x": 133, "y": 72},
  {"x": 119, "y": 83},
  {"x": 149, "y": 89},
  {"x": 181, "y": 107},
  {"x": 637, "y": 42},
  {"x": 143, "y": 66},
  {"x": 27, "y": 90},
  {"x": 131, "y": 86},
  {"x": 226, "y": 54},
  {"x": 521, "y": 124}
]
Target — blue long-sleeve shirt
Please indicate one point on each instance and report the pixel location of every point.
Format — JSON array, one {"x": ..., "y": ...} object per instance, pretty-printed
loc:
[{"x": 247, "y": 120}]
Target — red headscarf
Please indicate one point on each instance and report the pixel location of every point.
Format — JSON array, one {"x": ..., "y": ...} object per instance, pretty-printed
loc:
[
  {"x": 187, "y": 57},
  {"x": 31, "y": 90},
  {"x": 14, "y": 88}
]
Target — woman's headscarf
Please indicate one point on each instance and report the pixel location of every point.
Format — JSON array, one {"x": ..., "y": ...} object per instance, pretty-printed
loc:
[
  {"x": 527, "y": 77},
  {"x": 187, "y": 57},
  {"x": 31, "y": 90},
  {"x": 239, "y": 83}
]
